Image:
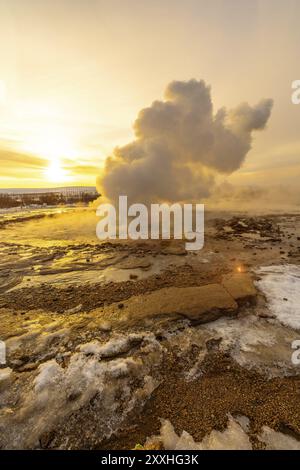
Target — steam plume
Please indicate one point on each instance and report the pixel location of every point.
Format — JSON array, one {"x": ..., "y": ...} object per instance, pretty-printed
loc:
[{"x": 180, "y": 145}]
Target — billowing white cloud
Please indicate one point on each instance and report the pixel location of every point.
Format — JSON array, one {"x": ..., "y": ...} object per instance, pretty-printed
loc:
[{"x": 180, "y": 144}]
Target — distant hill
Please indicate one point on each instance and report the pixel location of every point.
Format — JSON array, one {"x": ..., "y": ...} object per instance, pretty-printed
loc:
[{"x": 62, "y": 190}]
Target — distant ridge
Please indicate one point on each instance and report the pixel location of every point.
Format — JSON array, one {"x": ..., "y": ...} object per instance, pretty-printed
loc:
[{"x": 59, "y": 189}]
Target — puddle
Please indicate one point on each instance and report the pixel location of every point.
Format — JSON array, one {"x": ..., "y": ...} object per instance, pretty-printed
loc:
[
  {"x": 97, "y": 276},
  {"x": 49, "y": 227}
]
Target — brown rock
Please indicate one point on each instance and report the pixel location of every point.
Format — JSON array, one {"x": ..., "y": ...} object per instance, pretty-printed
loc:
[
  {"x": 240, "y": 286},
  {"x": 200, "y": 304},
  {"x": 133, "y": 276}
]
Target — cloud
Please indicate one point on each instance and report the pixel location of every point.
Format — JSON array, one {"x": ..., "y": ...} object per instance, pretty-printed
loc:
[
  {"x": 180, "y": 145},
  {"x": 10, "y": 158},
  {"x": 84, "y": 169},
  {"x": 15, "y": 163}
]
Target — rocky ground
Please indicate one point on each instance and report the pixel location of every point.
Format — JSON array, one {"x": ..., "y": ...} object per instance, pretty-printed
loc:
[{"x": 141, "y": 344}]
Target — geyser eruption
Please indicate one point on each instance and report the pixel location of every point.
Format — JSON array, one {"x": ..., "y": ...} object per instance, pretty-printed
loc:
[{"x": 180, "y": 145}]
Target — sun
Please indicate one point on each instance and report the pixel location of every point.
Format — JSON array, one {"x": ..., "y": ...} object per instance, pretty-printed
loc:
[
  {"x": 54, "y": 146},
  {"x": 54, "y": 150},
  {"x": 54, "y": 173}
]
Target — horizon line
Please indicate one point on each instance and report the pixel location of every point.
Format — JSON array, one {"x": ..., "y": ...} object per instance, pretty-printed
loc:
[{"x": 45, "y": 189}]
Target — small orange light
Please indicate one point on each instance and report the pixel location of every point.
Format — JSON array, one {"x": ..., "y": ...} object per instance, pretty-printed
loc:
[{"x": 239, "y": 269}]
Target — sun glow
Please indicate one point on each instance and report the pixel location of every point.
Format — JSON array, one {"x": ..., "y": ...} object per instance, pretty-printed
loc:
[
  {"x": 55, "y": 173},
  {"x": 52, "y": 144},
  {"x": 57, "y": 148}
]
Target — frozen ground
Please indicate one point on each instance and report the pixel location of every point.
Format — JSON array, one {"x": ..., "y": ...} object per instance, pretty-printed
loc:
[
  {"x": 86, "y": 349},
  {"x": 234, "y": 437},
  {"x": 281, "y": 286}
]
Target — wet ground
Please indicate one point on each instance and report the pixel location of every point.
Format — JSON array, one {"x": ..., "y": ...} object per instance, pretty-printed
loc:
[{"x": 110, "y": 345}]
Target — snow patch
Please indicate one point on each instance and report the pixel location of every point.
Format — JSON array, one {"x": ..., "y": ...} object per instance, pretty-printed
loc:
[
  {"x": 233, "y": 438},
  {"x": 277, "y": 440},
  {"x": 56, "y": 391},
  {"x": 49, "y": 375},
  {"x": 5, "y": 374},
  {"x": 117, "y": 345},
  {"x": 281, "y": 286},
  {"x": 241, "y": 336}
]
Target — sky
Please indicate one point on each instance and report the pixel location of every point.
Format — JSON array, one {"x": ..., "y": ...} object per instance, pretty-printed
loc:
[{"x": 74, "y": 75}]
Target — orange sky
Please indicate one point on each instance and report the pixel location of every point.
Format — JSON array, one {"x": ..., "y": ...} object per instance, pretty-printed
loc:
[{"x": 75, "y": 73}]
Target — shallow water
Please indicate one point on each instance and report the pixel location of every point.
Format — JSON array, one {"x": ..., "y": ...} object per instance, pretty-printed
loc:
[
  {"x": 58, "y": 226},
  {"x": 103, "y": 274}
]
